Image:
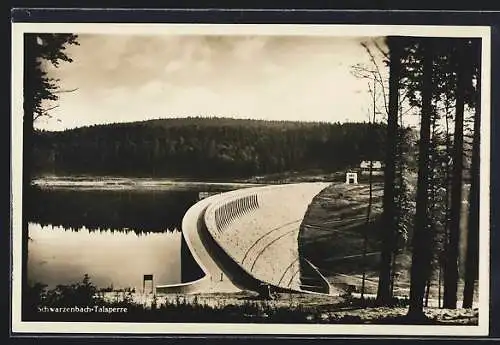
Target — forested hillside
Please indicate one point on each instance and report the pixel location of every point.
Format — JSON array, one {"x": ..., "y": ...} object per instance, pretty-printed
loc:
[{"x": 207, "y": 147}]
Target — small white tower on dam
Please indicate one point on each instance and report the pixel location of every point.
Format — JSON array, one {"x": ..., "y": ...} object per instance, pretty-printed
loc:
[{"x": 351, "y": 178}]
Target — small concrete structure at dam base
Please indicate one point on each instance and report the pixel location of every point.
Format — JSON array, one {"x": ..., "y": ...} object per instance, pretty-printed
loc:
[{"x": 247, "y": 239}]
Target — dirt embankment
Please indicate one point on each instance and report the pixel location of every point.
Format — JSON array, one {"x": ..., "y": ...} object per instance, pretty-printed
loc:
[
  {"x": 332, "y": 237},
  {"x": 334, "y": 228}
]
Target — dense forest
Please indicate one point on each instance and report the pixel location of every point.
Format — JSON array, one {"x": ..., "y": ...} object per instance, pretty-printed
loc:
[
  {"x": 207, "y": 147},
  {"x": 440, "y": 78}
]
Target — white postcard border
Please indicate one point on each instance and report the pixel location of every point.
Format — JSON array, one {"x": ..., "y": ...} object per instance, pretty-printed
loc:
[{"x": 18, "y": 29}]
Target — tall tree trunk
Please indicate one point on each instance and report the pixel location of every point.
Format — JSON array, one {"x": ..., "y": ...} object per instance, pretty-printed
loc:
[
  {"x": 370, "y": 201},
  {"x": 389, "y": 213},
  {"x": 393, "y": 272},
  {"x": 472, "y": 256},
  {"x": 433, "y": 186},
  {"x": 365, "y": 234},
  {"x": 28, "y": 134},
  {"x": 452, "y": 252},
  {"x": 439, "y": 285},
  {"x": 365, "y": 240},
  {"x": 446, "y": 222},
  {"x": 401, "y": 191},
  {"x": 421, "y": 255},
  {"x": 427, "y": 291}
]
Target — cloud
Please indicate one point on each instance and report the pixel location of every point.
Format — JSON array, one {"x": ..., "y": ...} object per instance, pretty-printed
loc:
[{"x": 129, "y": 78}]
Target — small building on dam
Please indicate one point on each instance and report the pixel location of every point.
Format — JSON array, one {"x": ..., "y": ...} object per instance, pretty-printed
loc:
[{"x": 247, "y": 239}]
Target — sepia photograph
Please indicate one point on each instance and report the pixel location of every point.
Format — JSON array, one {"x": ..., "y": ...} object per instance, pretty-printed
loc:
[{"x": 250, "y": 179}]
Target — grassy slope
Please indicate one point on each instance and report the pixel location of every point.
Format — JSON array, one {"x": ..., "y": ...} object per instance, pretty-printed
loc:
[
  {"x": 333, "y": 229},
  {"x": 332, "y": 232}
]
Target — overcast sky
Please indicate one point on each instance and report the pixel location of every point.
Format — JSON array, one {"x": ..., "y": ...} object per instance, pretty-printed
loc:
[{"x": 130, "y": 78}]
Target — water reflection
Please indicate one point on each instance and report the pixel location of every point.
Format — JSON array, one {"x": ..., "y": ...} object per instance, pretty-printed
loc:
[
  {"x": 116, "y": 235},
  {"x": 129, "y": 210},
  {"x": 117, "y": 259}
]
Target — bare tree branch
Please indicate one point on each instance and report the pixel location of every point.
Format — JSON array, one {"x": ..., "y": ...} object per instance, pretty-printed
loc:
[
  {"x": 408, "y": 110},
  {"x": 65, "y": 91},
  {"x": 385, "y": 54},
  {"x": 45, "y": 112},
  {"x": 372, "y": 58},
  {"x": 403, "y": 97}
]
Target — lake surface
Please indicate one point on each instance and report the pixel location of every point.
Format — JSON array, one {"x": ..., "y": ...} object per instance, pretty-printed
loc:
[
  {"x": 118, "y": 259},
  {"x": 114, "y": 230}
]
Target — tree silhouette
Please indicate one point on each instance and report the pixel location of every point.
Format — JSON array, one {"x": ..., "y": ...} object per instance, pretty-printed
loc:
[
  {"x": 451, "y": 274},
  {"x": 421, "y": 241},
  {"x": 389, "y": 213},
  {"x": 38, "y": 87},
  {"x": 472, "y": 255}
]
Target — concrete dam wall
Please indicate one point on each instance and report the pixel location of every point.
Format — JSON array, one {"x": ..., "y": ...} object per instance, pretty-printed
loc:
[{"x": 248, "y": 238}]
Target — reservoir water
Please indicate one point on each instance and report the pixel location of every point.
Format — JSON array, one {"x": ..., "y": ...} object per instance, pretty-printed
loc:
[{"x": 115, "y": 231}]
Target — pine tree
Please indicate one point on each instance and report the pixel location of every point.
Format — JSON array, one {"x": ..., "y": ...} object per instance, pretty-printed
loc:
[
  {"x": 421, "y": 255},
  {"x": 37, "y": 88},
  {"x": 472, "y": 255},
  {"x": 451, "y": 274},
  {"x": 389, "y": 213}
]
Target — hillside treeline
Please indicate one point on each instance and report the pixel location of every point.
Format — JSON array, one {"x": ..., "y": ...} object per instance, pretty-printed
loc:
[{"x": 207, "y": 147}]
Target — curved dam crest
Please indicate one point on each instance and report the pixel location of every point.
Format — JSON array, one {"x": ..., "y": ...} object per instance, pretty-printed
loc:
[{"x": 247, "y": 239}]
